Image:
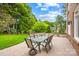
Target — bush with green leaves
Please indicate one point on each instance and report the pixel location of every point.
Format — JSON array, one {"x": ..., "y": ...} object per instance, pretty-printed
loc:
[{"x": 40, "y": 27}]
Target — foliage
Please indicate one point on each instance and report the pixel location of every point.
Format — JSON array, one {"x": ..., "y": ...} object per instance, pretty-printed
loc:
[
  {"x": 27, "y": 23},
  {"x": 5, "y": 22},
  {"x": 60, "y": 24},
  {"x": 40, "y": 27},
  {"x": 22, "y": 15},
  {"x": 49, "y": 23}
]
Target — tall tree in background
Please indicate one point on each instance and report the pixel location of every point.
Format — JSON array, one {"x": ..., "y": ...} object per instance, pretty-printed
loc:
[
  {"x": 51, "y": 26},
  {"x": 60, "y": 24},
  {"x": 6, "y": 20},
  {"x": 21, "y": 13}
]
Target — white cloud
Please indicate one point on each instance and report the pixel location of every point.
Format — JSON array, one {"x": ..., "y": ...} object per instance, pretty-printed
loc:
[
  {"x": 39, "y": 5},
  {"x": 50, "y": 16},
  {"x": 52, "y": 4},
  {"x": 43, "y": 9},
  {"x": 55, "y": 12},
  {"x": 47, "y": 5}
]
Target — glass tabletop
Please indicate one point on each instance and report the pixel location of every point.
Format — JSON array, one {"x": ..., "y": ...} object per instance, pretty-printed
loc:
[{"x": 38, "y": 38}]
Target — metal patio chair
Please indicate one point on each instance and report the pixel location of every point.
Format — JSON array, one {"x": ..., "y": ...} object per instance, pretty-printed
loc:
[
  {"x": 30, "y": 45},
  {"x": 48, "y": 43}
]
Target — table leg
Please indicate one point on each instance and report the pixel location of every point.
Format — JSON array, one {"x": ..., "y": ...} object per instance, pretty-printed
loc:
[{"x": 39, "y": 47}]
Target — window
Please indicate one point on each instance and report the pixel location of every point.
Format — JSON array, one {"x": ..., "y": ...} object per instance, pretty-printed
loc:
[{"x": 76, "y": 27}]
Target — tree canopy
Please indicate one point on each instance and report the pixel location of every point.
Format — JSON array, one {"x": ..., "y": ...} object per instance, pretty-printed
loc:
[
  {"x": 18, "y": 15},
  {"x": 40, "y": 27},
  {"x": 60, "y": 24}
]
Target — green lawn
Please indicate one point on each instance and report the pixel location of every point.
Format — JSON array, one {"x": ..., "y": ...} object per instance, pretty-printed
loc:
[{"x": 10, "y": 40}]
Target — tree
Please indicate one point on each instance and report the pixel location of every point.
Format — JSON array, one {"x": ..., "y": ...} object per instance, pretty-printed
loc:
[
  {"x": 51, "y": 25},
  {"x": 21, "y": 13},
  {"x": 40, "y": 27},
  {"x": 60, "y": 24},
  {"x": 6, "y": 20}
]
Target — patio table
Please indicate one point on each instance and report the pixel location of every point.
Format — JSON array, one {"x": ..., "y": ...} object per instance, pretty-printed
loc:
[{"x": 39, "y": 39}]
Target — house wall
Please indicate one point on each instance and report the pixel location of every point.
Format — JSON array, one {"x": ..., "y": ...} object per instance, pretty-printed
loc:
[
  {"x": 71, "y": 25},
  {"x": 72, "y": 9},
  {"x": 74, "y": 22}
]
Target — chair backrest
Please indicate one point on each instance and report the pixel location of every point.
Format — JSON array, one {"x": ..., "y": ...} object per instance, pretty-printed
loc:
[
  {"x": 32, "y": 35},
  {"x": 50, "y": 38},
  {"x": 29, "y": 43}
]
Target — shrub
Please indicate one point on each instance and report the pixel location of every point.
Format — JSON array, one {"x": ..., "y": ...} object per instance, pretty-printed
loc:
[{"x": 40, "y": 27}]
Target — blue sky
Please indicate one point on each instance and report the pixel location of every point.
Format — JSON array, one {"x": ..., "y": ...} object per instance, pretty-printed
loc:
[{"x": 46, "y": 11}]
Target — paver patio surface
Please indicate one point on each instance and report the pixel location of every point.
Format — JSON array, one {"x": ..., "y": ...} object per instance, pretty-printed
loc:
[{"x": 61, "y": 47}]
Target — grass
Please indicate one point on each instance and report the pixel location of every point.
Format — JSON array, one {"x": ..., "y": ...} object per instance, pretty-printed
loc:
[{"x": 10, "y": 40}]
